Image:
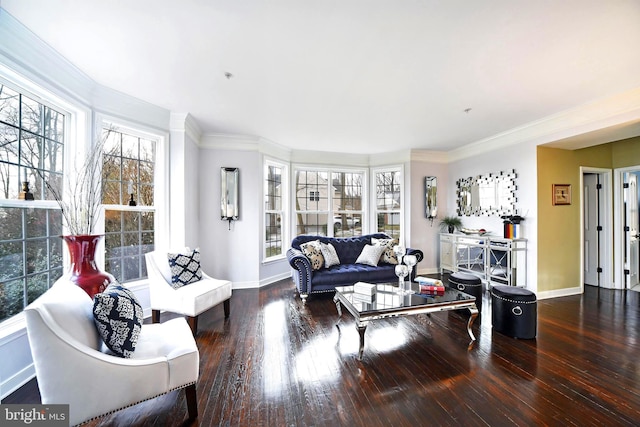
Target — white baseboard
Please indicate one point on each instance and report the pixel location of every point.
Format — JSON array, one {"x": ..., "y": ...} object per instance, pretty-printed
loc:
[
  {"x": 262, "y": 282},
  {"x": 17, "y": 380},
  {"x": 559, "y": 293}
]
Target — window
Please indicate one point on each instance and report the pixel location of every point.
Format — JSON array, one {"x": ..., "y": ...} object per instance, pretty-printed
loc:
[
  {"x": 275, "y": 179},
  {"x": 31, "y": 150},
  {"x": 329, "y": 202},
  {"x": 388, "y": 188},
  {"x": 128, "y": 193},
  {"x": 347, "y": 203}
]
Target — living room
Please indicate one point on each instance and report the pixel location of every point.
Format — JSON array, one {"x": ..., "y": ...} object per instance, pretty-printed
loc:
[{"x": 597, "y": 127}]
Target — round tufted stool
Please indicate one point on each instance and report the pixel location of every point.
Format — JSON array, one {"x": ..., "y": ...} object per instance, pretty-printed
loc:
[
  {"x": 514, "y": 311},
  {"x": 467, "y": 283}
]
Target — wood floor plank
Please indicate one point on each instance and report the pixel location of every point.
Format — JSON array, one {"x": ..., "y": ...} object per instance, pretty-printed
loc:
[{"x": 278, "y": 362}]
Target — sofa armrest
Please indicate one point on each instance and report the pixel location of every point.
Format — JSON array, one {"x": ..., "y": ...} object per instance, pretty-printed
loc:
[{"x": 302, "y": 270}]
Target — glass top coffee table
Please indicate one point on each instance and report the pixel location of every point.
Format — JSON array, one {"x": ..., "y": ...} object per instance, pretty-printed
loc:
[{"x": 388, "y": 301}]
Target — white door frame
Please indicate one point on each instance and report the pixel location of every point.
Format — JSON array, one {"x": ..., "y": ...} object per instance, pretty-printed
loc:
[
  {"x": 618, "y": 224},
  {"x": 607, "y": 223}
]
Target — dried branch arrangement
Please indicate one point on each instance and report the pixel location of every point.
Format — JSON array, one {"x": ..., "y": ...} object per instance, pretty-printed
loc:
[{"x": 81, "y": 208}]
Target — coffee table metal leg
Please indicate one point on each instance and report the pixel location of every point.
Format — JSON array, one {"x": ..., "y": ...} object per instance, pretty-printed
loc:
[
  {"x": 362, "y": 327},
  {"x": 472, "y": 318},
  {"x": 337, "y": 301}
]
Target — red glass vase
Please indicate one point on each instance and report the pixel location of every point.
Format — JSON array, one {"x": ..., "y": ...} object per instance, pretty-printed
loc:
[{"x": 83, "y": 271}]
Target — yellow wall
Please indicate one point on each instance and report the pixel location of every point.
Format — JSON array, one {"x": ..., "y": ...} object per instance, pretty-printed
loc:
[
  {"x": 559, "y": 226},
  {"x": 626, "y": 153}
]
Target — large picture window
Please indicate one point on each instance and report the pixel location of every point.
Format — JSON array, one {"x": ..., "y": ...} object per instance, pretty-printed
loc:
[
  {"x": 128, "y": 195},
  {"x": 31, "y": 150},
  {"x": 329, "y": 202}
]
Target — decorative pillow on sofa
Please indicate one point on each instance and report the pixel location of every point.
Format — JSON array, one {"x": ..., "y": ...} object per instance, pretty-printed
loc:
[
  {"x": 118, "y": 316},
  {"x": 313, "y": 251},
  {"x": 185, "y": 268},
  {"x": 388, "y": 255},
  {"x": 370, "y": 255},
  {"x": 329, "y": 254}
]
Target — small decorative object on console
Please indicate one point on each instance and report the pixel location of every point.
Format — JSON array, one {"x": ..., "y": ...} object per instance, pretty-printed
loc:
[{"x": 477, "y": 231}]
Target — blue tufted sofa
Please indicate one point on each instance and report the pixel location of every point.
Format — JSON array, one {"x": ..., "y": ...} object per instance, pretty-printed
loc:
[{"x": 347, "y": 273}]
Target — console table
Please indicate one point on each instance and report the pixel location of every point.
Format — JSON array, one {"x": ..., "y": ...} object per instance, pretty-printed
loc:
[{"x": 496, "y": 260}]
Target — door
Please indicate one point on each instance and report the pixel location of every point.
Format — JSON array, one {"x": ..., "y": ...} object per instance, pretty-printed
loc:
[
  {"x": 591, "y": 222},
  {"x": 631, "y": 230}
]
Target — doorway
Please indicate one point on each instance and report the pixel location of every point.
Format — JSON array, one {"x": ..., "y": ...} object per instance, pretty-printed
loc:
[
  {"x": 596, "y": 227},
  {"x": 628, "y": 221}
]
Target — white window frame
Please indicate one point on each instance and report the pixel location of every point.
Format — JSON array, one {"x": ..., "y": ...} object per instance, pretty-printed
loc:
[
  {"x": 76, "y": 129},
  {"x": 374, "y": 206},
  {"x": 331, "y": 210},
  {"x": 283, "y": 212},
  {"x": 160, "y": 185}
]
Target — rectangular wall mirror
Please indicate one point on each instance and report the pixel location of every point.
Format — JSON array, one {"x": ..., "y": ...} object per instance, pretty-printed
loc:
[
  {"x": 430, "y": 194},
  {"x": 491, "y": 194},
  {"x": 229, "y": 190}
]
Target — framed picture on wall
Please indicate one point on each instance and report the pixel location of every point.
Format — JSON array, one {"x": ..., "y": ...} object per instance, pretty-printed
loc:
[{"x": 561, "y": 194}]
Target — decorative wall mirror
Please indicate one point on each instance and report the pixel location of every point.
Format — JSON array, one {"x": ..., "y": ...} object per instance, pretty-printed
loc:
[
  {"x": 492, "y": 194},
  {"x": 430, "y": 194},
  {"x": 229, "y": 192}
]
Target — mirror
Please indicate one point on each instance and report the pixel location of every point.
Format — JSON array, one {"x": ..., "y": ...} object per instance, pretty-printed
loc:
[
  {"x": 430, "y": 194},
  {"x": 229, "y": 208},
  {"x": 492, "y": 194}
]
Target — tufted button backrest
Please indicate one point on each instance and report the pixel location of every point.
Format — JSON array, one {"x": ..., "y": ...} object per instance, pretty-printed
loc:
[{"x": 347, "y": 248}]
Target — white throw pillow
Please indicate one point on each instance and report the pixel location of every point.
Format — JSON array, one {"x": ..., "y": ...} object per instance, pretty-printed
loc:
[
  {"x": 370, "y": 255},
  {"x": 329, "y": 254}
]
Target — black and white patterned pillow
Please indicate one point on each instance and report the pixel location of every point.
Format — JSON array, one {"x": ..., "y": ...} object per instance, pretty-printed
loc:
[
  {"x": 313, "y": 251},
  {"x": 388, "y": 256},
  {"x": 118, "y": 316},
  {"x": 185, "y": 268}
]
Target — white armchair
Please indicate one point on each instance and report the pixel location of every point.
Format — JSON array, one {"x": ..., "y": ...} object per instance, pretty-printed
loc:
[
  {"x": 190, "y": 300},
  {"x": 72, "y": 366}
]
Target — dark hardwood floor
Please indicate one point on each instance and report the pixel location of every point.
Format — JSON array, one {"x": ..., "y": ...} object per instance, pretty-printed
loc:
[{"x": 277, "y": 362}]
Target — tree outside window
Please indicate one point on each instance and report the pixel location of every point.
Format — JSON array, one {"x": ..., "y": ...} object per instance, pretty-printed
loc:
[{"x": 31, "y": 149}]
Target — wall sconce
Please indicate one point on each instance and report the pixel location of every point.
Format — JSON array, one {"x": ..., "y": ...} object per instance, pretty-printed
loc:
[{"x": 229, "y": 194}]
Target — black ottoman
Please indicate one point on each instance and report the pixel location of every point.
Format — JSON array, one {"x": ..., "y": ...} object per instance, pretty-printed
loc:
[
  {"x": 467, "y": 283},
  {"x": 514, "y": 311}
]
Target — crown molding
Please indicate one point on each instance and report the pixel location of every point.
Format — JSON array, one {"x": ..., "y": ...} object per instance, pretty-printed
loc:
[
  {"x": 184, "y": 122},
  {"x": 274, "y": 149},
  {"x": 20, "y": 48},
  {"x": 219, "y": 141},
  {"x": 429, "y": 156},
  {"x": 598, "y": 115}
]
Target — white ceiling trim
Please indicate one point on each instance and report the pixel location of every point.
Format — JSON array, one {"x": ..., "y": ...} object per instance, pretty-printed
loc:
[
  {"x": 429, "y": 156},
  {"x": 230, "y": 142},
  {"x": 605, "y": 113}
]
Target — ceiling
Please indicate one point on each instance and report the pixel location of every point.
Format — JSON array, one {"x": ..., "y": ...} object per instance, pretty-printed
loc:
[{"x": 356, "y": 76}]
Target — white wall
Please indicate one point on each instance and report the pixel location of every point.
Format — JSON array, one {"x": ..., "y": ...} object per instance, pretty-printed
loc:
[
  {"x": 425, "y": 234},
  {"x": 522, "y": 158},
  {"x": 234, "y": 253}
]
